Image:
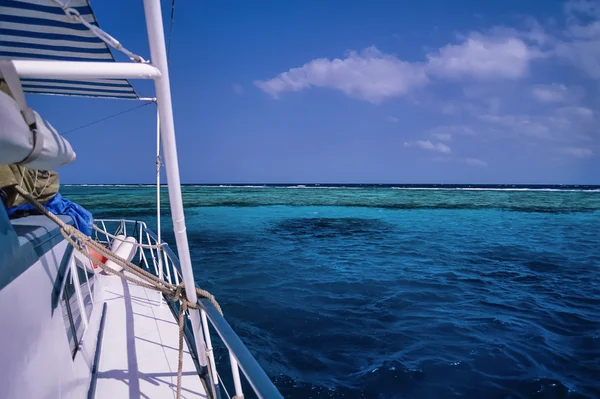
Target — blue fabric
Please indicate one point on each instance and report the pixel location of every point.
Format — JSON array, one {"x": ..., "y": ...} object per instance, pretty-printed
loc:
[{"x": 82, "y": 218}]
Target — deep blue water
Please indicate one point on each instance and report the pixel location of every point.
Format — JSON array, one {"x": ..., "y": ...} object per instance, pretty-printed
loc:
[{"x": 379, "y": 292}]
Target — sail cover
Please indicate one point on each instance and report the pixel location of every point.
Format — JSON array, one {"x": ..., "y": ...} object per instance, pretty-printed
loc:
[{"x": 39, "y": 29}]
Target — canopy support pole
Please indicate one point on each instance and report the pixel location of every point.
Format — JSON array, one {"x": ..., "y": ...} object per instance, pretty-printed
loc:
[{"x": 43, "y": 69}]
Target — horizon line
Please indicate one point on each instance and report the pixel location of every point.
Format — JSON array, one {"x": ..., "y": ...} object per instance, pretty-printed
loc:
[{"x": 334, "y": 184}]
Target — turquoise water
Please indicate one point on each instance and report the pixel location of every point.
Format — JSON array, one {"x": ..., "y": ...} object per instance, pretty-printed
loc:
[{"x": 377, "y": 292}]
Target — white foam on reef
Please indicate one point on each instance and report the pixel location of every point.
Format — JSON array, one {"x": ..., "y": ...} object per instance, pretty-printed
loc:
[
  {"x": 497, "y": 189},
  {"x": 324, "y": 187},
  {"x": 222, "y": 186},
  {"x": 595, "y": 190},
  {"x": 236, "y": 186}
]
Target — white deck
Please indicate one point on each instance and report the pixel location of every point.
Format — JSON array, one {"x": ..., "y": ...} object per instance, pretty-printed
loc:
[{"x": 140, "y": 347}]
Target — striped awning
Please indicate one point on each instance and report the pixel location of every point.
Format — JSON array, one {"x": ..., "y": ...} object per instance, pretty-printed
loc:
[{"x": 39, "y": 29}]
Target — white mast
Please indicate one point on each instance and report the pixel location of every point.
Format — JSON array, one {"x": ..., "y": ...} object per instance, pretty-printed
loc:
[{"x": 158, "y": 56}]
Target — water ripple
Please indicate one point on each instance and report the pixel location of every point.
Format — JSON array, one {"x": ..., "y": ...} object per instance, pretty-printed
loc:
[{"x": 384, "y": 293}]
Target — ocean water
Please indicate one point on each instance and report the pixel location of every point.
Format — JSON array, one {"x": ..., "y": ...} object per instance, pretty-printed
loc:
[{"x": 398, "y": 292}]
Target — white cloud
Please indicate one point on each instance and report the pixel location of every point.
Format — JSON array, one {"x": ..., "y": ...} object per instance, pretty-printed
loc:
[
  {"x": 392, "y": 119},
  {"x": 535, "y": 32},
  {"x": 445, "y": 133},
  {"x": 483, "y": 57},
  {"x": 532, "y": 32},
  {"x": 369, "y": 75},
  {"x": 499, "y": 53},
  {"x": 521, "y": 124},
  {"x": 467, "y": 161},
  {"x": 374, "y": 76},
  {"x": 583, "y": 114},
  {"x": 584, "y": 54},
  {"x": 428, "y": 145},
  {"x": 582, "y": 7},
  {"x": 589, "y": 31},
  {"x": 475, "y": 162},
  {"x": 566, "y": 124},
  {"x": 449, "y": 108},
  {"x": 578, "y": 152},
  {"x": 550, "y": 93},
  {"x": 582, "y": 44},
  {"x": 442, "y": 136}
]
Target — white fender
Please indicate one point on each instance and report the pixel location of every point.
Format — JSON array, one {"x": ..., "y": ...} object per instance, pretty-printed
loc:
[
  {"x": 26, "y": 138},
  {"x": 125, "y": 250},
  {"x": 47, "y": 150},
  {"x": 116, "y": 242}
]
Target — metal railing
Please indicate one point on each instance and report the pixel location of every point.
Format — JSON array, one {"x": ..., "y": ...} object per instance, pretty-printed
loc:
[{"x": 165, "y": 264}]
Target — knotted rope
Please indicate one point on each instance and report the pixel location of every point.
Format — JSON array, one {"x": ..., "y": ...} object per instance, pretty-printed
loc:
[{"x": 82, "y": 242}]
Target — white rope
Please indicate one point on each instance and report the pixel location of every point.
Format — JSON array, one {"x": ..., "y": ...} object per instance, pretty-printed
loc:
[{"x": 74, "y": 15}]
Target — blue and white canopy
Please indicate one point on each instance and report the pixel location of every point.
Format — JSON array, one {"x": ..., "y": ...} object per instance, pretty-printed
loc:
[{"x": 40, "y": 29}]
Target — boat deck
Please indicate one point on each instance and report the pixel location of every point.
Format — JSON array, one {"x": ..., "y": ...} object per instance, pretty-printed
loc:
[{"x": 139, "y": 353}]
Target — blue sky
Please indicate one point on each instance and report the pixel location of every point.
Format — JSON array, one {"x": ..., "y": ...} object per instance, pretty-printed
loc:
[{"x": 354, "y": 91}]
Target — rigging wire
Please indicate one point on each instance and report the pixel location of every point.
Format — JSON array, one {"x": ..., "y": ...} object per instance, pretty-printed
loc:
[
  {"x": 171, "y": 29},
  {"x": 139, "y": 106},
  {"x": 106, "y": 118}
]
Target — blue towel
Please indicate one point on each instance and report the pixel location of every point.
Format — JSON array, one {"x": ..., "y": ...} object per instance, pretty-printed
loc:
[{"x": 82, "y": 218}]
